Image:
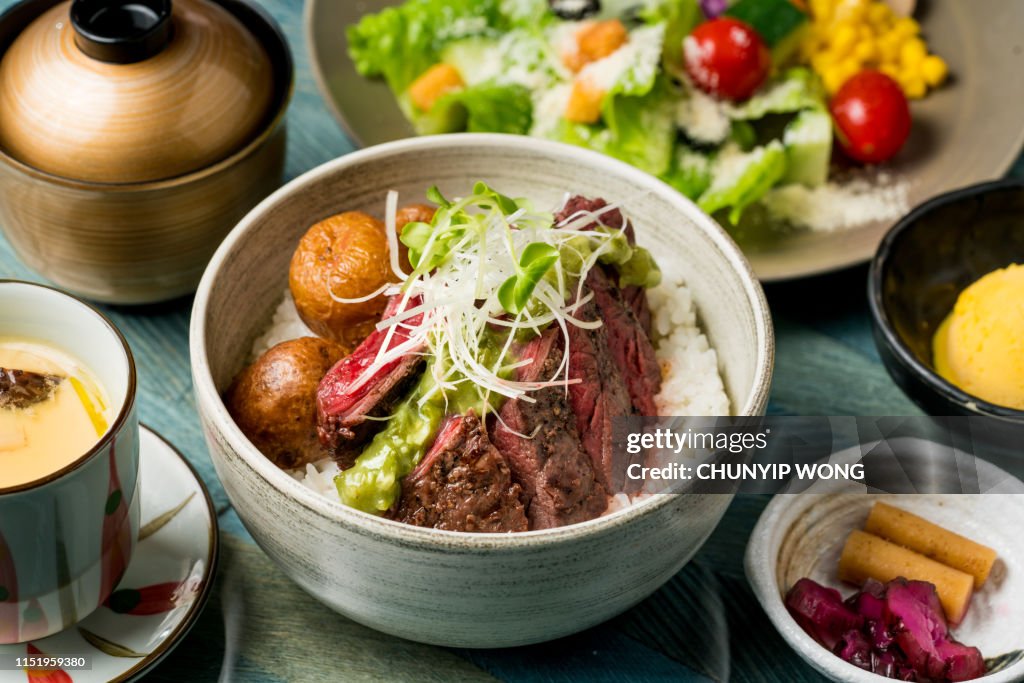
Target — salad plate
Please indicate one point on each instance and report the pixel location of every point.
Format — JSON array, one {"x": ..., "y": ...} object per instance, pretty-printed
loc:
[
  {"x": 163, "y": 591},
  {"x": 963, "y": 132}
]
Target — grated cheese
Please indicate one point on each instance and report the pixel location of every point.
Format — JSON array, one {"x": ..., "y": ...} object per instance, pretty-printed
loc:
[
  {"x": 703, "y": 118},
  {"x": 641, "y": 56},
  {"x": 837, "y": 206}
]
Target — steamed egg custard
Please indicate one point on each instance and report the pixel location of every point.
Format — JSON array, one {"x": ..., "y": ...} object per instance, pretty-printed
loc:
[
  {"x": 52, "y": 410},
  {"x": 980, "y": 345}
]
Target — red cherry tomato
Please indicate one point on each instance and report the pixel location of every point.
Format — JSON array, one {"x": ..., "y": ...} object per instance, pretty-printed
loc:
[
  {"x": 872, "y": 117},
  {"x": 727, "y": 58}
]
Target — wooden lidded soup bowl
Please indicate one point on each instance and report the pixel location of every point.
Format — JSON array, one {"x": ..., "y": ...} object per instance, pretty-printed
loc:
[{"x": 134, "y": 135}]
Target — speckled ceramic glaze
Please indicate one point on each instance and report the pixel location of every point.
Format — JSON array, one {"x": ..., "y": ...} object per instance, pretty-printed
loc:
[
  {"x": 66, "y": 539},
  {"x": 447, "y": 588},
  {"x": 802, "y": 535},
  {"x": 121, "y": 240}
]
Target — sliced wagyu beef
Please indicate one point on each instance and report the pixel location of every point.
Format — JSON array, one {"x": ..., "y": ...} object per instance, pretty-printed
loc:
[
  {"x": 463, "y": 483},
  {"x": 346, "y": 398},
  {"x": 628, "y": 342},
  {"x": 598, "y": 394},
  {"x": 541, "y": 443}
]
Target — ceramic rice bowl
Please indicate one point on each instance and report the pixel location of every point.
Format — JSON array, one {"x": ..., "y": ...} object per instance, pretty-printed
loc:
[{"x": 446, "y": 588}]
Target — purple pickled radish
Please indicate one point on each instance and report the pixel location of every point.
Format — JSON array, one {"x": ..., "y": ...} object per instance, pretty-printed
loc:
[
  {"x": 905, "y": 673},
  {"x": 820, "y": 612},
  {"x": 927, "y": 595},
  {"x": 870, "y": 602},
  {"x": 854, "y": 648},
  {"x": 874, "y": 588},
  {"x": 880, "y": 635},
  {"x": 921, "y": 626},
  {"x": 713, "y": 8},
  {"x": 883, "y": 664},
  {"x": 897, "y": 630},
  {"x": 963, "y": 663}
]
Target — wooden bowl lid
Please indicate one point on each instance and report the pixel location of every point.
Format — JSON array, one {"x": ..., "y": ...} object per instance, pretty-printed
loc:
[{"x": 131, "y": 91}]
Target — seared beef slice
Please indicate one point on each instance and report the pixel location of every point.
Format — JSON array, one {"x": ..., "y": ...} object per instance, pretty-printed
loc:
[
  {"x": 599, "y": 394},
  {"x": 343, "y": 407},
  {"x": 548, "y": 461},
  {"x": 462, "y": 484},
  {"x": 628, "y": 343},
  {"x": 633, "y": 296},
  {"x": 612, "y": 218}
]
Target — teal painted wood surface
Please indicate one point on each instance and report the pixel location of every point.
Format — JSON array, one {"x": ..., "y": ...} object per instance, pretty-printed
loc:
[{"x": 703, "y": 625}]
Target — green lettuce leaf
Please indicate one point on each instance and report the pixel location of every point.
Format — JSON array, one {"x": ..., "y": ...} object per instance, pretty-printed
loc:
[
  {"x": 637, "y": 130},
  {"x": 690, "y": 172},
  {"x": 526, "y": 12},
  {"x": 680, "y": 17},
  {"x": 487, "y": 108},
  {"x": 401, "y": 42},
  {"x": 795, "y": 90},
  {"x": 639, "y": 77},
  {"x": 741, "y": 178}
]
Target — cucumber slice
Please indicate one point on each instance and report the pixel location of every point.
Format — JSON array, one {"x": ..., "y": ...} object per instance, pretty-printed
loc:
[
  {"x": 473, "y": 57},
  {"x": 808, "y": 143}
]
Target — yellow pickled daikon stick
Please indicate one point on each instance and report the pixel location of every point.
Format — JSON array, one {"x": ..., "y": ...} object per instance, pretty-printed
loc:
[
  {"x": 931, "y": 540},
  {"x": 867, "y": 556}
]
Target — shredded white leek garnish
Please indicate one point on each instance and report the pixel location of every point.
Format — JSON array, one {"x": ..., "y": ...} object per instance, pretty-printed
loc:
[{"x": 451, "y": 307}]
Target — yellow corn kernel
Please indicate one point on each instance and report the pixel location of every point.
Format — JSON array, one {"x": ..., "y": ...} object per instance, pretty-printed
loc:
[
  {"x": 821, "y": 61},
  {"x": 584, "y": 102},
  {"x": 435, "y": 82},
  {"x": 823, "y": 10},
  {"x": 913, "y": 52},
  {"x": 843, "y": 40},
  {"x": 866, "y": 51},
  {"x": 906, "y": 27},
  {"x": 934, "y": 70},
  {"x": 855, "y": 12},
  {"x": 891, "y": 70},
  {"x": 913, "y": 86},
  {"x": 889, "y": 47},
  {"x": 834, "y": 77},
  {"x": 849, "y": 66},
  {"x": 879, "y": 14}
]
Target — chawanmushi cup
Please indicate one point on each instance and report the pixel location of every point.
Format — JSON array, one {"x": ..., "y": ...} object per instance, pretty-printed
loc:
[{"x": 66, "y": 538}]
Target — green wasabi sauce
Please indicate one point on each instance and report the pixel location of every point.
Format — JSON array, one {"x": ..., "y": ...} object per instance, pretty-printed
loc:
[
  {"x": 374, "y": 482},
  {"x": 635, "y": 264}
]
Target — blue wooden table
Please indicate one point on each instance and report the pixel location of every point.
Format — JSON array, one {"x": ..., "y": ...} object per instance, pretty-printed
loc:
[{"x": 703, "y": 625}]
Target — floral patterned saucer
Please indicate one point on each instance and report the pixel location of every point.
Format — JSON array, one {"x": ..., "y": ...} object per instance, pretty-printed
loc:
[{"x": 162, "y": 593}]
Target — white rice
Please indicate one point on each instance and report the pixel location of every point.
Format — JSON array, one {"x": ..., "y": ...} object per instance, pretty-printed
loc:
[{"x": 691, "y": 381}]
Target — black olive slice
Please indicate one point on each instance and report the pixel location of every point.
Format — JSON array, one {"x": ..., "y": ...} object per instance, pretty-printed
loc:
[{"x": 574, "y": 10}]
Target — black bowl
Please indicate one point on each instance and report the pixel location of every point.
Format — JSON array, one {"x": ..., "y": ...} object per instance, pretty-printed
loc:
[{"x": 921, "y": 267}]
